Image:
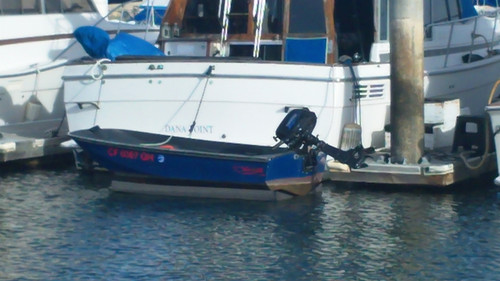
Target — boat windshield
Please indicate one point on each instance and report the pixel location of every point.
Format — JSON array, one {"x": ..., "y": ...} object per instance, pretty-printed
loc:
[{"x": 31, "y": 7}]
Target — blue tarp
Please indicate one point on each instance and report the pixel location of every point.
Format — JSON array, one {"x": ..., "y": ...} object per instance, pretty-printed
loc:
[
  {"x": 94, "y": 40},
  {"x": 121, "y": 1},
  {"x": 306, "y": 50},
  {"x": 468, "y": 9},
  {"x": 492, "y": 3},
  {"x": 159, "y": 12},
  {"x": 126, "y": 44},
  {"x": 97, "y": 43}
]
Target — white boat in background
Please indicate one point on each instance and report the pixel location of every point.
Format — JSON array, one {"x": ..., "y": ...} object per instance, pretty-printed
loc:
[
  {"x": 487, "y": 7},
  {"x": 102, "y": 7},
  {"x": 238, "y": 62},
  {"x": 36, "y": 42},
  {"x": 493, "y": 110}
]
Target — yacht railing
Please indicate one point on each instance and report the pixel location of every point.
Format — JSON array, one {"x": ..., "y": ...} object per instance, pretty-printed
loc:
[{"x": 474, "y": 35}]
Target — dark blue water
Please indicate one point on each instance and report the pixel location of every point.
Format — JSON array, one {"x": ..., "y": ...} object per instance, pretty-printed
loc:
[{"x": 59, "y": 224}]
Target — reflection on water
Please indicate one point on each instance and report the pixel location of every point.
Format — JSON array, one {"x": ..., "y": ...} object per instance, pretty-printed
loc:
[{"x": 58, "y": 224}]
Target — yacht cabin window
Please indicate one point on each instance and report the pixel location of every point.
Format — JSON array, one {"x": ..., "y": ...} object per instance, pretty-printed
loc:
[
  {"x": 68, "y": 6},
  {"x": 30, "y": 6},
  {"x": 76, "y": 6},
  {"x": 205, "y": 17},
  {"x": 307, "y": 16},
  {"x": 435, "y": 11},
  {"x": 201, "y": 16},
  {"x": 383, "y": 20},
  {"x": 355, "y": 27},
  {"x": 238, "y": 17},
  {"x": 53, "y": 6},
  {"x": 274, "y": 16},
  {"x": 11, "y": 7},
  {"x": 18, "y": 7}
]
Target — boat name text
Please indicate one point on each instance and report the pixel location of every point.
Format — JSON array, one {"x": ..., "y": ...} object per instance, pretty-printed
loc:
[{"x": 200, "y": 129}]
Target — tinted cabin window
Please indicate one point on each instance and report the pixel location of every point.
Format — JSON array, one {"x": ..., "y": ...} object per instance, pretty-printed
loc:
[
  {"x": 238, "y": 18},
  {"x": 274, "y": 12},
  {"x": 16, "y": 7},
  {"x": 439, "y": 11},
  {"x": 436, "y": 11},
  {"x": 355, "y": 27},
  {"x": 201, "y": 16},
  {"x": 307, "y": 16},
  {"x": 53, "y": 6},
  {"x": 427, "y": 13},
  {"x": 383, "y": 28},
  {"x": 454, "y": 12},
  {"x": 10, "y": 7},
  {"x": 267, "y": 52},
  {"x": 76, "y": 6},
  {"x": 30, "y": 6}
]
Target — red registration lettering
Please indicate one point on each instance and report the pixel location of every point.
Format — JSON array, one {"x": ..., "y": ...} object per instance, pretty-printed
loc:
[
  {"x": 112, "y": 152},
  {"x": 244, "y": 170},
  {"x": 147, "y": 156},
  {"x": 129, "y": 154}
]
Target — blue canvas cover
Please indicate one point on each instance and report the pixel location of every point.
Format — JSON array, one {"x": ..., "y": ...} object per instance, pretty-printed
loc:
[
  {"x": 492, "y": 3},
  {"x": 159, "y": 12},
  {"x": 126, "y": 44},
  {"x": 468, "y": 9},
  {"x": 97, "y": 43},
  {"x": 93, "y": 40},
  {"x": 311, "y": 50}
]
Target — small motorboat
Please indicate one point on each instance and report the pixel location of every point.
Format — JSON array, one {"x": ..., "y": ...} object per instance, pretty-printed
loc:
[{"x": 160, "y": 164}]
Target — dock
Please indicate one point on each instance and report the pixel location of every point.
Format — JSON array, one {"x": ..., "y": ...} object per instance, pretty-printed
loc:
[
  {"x": 441, "y": 170},
  {"x": 32, "y": 141}
]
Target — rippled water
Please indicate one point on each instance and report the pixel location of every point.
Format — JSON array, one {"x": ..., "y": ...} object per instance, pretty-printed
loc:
[{"x": 59, "y": 224}]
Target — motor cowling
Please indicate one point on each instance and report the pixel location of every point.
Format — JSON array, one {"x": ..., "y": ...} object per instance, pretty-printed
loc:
[{"x": 295, "y": 128}]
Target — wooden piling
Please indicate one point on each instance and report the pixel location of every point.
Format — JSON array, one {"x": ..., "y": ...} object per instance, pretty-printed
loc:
[{"x": 407, "y": 93}]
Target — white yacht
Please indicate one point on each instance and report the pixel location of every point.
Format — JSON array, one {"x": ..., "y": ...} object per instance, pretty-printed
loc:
[
  {"x": 36, "y": 43},
  {"x": 238, "y": 62}
]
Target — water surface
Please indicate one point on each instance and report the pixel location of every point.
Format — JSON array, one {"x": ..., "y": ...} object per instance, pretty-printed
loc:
[{"x": 59, "y": 224}]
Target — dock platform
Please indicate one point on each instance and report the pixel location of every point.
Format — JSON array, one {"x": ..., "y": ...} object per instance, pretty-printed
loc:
[
  {"x": 32, "y": 141},
  {"x": 441, "y": 170}
]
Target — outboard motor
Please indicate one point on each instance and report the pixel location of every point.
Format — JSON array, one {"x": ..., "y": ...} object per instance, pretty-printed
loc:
[{"x": 296, "y": 132}]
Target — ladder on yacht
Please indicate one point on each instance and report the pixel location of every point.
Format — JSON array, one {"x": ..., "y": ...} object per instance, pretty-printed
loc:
[
  {"x": 259, "y": 7},
  {"x": 224, "y": 11}
]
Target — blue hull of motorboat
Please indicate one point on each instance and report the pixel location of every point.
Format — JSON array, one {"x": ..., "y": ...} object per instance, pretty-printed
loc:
[{"x": 166, "y": 160}]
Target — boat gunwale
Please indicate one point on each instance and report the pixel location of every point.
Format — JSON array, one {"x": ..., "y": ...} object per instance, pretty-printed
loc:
[{"x": 261, "y": 158}]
